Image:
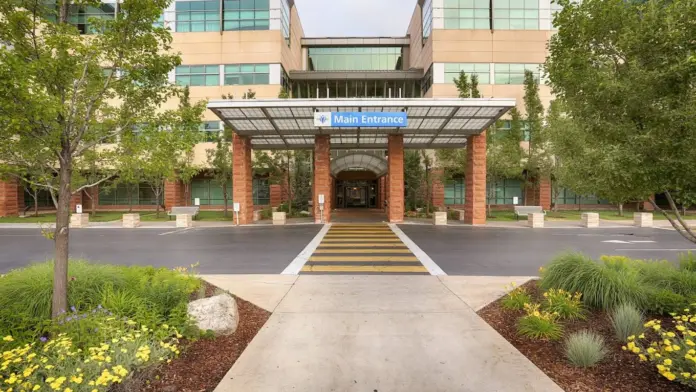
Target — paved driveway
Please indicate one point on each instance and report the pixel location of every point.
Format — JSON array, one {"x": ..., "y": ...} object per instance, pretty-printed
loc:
[
  {"x": 252, "y": 250},
  {"x": 460, "y": 250}
]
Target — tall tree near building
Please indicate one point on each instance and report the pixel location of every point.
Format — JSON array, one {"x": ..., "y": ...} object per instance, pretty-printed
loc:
[
  {"x": 626, "y": 74},
  {"x": 186, "y": 170},
  {"x": 220, "y": 162},
  {"x": 538, "y": 158},
  {"x": 56, "y": 97},
  {"x": 413, "y": 179},
  {"x": 503, "y": 155},
  {"x": 166, "y": 140},
  {"x": 556, "y": 122},
  {"x": 128, "y": 164}
]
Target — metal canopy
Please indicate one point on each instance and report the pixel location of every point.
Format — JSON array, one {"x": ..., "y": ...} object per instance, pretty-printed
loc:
[{"x": 289, "y": 123}]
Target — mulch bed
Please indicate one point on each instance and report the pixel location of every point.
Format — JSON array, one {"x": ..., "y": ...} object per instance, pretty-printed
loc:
[
  {"x": 204, "y": 362},
  {"x": 619, "y": 371}
]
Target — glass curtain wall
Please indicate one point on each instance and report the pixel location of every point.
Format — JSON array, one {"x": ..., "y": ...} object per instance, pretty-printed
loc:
[
  {"x": 356, "y": 59},
  {"x": 356, "y": 89}
]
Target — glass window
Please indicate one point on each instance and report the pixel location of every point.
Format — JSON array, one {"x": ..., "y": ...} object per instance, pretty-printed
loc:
[
  {"x": 355, "y": 59},
  {"x": 454, "y": 192},
  {"x": 209, "y": 192},
  {"x": 210, "y": 130},
  {"x": 427, "y": 81},
  {"x": 124, "y": 194},
  {"x": 504, "y": 192},
  {"x": 467, "y": 14},
  {"x": 198, "y": 75},
  {"x": 243, "y": 74},
  {"x": 251, "y": 15},
  {"x": 514, "y": 73},
  {"x": 197, "y": 16},
  {"x": 261, "y": 192},
  {"x": 427, "y": 21},
  {"x": 43, "y": 198},
  {"x": 516, "y": 14},
  {"x": 482, "y": 70},
  {"x": 80, "y": 15},
  {"x": 567, "y": 196},
  {"x": 284, "y": 18}
]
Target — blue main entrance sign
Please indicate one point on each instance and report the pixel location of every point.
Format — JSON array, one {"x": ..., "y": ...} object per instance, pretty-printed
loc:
[{"x": 361, "y": 119}]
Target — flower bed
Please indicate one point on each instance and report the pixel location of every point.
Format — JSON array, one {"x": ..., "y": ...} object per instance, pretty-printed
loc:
[{"x": 131, "y": 342}]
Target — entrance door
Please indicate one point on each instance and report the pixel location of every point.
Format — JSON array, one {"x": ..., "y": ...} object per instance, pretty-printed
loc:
[{"x": 356, "y": 194}]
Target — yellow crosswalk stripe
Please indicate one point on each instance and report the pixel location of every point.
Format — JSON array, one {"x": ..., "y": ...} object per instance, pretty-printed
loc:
[
  {"x": 364, "y": 268},
  {"x": 330, "y": 236},
  {"x": 362, "y": 245},
  {"x": 359, "y": 231},
  {"x": 363, "y": 250},
  {"x": 363, "y": 258},
  {"x": 390, "y": 240}
]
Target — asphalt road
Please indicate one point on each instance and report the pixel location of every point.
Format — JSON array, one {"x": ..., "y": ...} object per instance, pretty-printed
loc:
[
  {"x": 253, "y": 250},
  {"x": 461, "y": 250},
  {"x": 458, "y": 250}
]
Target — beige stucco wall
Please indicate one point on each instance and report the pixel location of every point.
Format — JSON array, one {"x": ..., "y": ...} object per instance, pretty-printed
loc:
[
  {"x": 421, "y": 56},
  {"x": 291, "y": 57},
  {"x": 486, "y": 46},
  {"x": 516, "y": 91},
  {"x": 230, "y": 47}
]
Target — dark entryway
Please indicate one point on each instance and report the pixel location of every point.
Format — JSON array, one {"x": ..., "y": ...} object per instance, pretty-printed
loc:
[{"x": 356, "y": 194}]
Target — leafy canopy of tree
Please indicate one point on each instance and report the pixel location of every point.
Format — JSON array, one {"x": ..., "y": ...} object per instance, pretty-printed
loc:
[
  {"x": 62, "y": 94},
  {"x": 625, "y": 73}
]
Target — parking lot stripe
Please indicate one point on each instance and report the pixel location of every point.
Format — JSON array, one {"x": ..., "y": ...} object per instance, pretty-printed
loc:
[{"x": 364, "y": 268}]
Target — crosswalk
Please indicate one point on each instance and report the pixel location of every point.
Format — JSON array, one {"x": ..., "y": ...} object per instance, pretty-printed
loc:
[{"x": 362, "y": 249}]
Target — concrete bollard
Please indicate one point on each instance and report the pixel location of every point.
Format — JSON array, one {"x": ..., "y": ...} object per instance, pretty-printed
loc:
[
  {"x": 184, "y": 221},
  {"x": 590, "y": 219},
  {"x": 279, "y": 218},
  {"x": 79, "y": 220},
  {"x": 257, "y": 215},
  {"x": 535, "y": 220},
  {"x": 131, "y": 221},
  {"x": 460, "y": 215},
  {"x": 643, "y": 219},
  {"x": 440, "y": 218}
]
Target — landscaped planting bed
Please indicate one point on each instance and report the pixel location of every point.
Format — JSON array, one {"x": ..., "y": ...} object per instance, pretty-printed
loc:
[
  {"x": 128, "y": 329},
  {"x": 613, "y": 324}
]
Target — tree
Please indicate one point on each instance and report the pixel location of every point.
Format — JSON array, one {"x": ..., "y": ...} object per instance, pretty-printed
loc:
[
  {"x": 62, "y": 94},
  {"x": 503, "y": 154},
  {"x": 413, "y": 179},
  {"x": 165, "y": 141},
  {"x": 538, "y": 158},
  {"x": 220, "y": 162},
  {"x": 626, "y": 74},
  {"x": 128, "y": 163},
  {"x": 186, "y": 170}
]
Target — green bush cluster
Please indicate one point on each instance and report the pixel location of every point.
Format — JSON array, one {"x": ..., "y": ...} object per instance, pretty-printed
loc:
[
  {"x": 652, "y": 286},
  {"x": 148, "y": 295},
  {"x": 516, "y": 298}
]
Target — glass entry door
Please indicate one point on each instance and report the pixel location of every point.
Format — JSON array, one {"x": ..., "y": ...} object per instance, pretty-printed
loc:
[{"x": 356, "y": 194}]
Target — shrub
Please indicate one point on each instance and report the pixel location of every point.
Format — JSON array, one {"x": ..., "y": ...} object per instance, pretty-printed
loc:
[
  {"x": 517, "y": 298},
  {"x": 687, "y": 262},
  {"x": 565, "y": 304},
  {"x": 267, "y": 213},
  {"x": 673, "y": 351},
  {"x": 538, "y": 324},
  {"x": 90, "y": 352},
  {"x": 585, "y": 348},
  {"x": 662, "y": 301},
  {"x": 151, "y": 296},
  {"x": 603, "y": 286},
  {"x": 627, "y": 321}
]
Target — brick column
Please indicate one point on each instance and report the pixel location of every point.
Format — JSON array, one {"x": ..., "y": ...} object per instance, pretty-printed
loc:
[
  {"x": 530, "y": 194},
  {"x": 242, "y": 185},
  {"x": 475, "y": 192},
  {"x": 543, "y": 196},
  {"x": 75, "y": 200},
  {"x": 276, "y": 195},
  {"x": 396, "y": 179},
  {"x": 438, "y": 189},
  {"x": 173, "y": 194},
  {"x": 647, "y": 206},
  {"x": 381, "y": 192},
  {"x": 322, "y": 177},
  {"x": 9, "y": 197},
  {"x": 386, "y": 193}
]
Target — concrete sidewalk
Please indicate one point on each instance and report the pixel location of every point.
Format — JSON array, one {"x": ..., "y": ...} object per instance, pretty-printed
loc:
[{"x": 379, "y": 333}]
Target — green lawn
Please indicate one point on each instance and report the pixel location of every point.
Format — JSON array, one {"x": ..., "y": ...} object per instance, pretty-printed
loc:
[
  {"x": 506, "y": 216},
  {"x": 102, "y": 216},
  {"x": 206, "y": 216}
]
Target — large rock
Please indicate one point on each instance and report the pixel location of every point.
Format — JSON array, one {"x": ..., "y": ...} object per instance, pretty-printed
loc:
[{"x": 218, "y": 314}]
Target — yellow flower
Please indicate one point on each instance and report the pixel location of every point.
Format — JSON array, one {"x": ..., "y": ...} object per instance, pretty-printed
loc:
[
  {"x": 669, "y": 375},
  {"x": 651, "y": 350},
  {"x": 67, "y": 390},
  {"x": 641, "y": 336},
  {"x": 686, "y": 374},
  {"x": 676, "y": 348},
  {"x": 36, "y": 388},
  {"x": 656, "y": 327},
  {"x": 642, "y": 357},
  {"x": 681, "y": 328},
  {"x": 667, "y": 362},
  {"x": 636, "y": 350},
  {"x": 671, "y": 334},
  {"x": 8, "y": 338}
]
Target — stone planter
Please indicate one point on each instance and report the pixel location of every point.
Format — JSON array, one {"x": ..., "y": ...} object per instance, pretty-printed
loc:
[
  {"x": 131, "y": 221},
  {"x": 79, "y": 220},
  {"x": 279, "y": 218},
  {"x": 184, "y": 221},
  {"x": 643, "y": 219},
  {"x": 535, "y": 220},
  {"x": 590, "y": 219},
  {"x": 440, "y": 218}
]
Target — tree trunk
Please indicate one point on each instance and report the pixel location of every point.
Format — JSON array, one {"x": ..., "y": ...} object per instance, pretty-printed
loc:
[
  {"x": 94, "y": 202},
  {"x": 61, "y": 238},
  {"x": 158, "y": 192},
  {"x": 129, "y": 188},
  {"x": 36, "y": 203},
  {"x": 621, "y": 209},
  {"x": 225, "y": 197}
]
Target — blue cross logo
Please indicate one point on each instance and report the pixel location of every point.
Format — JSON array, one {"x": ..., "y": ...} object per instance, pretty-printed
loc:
[{"x": 323, "y": 119}]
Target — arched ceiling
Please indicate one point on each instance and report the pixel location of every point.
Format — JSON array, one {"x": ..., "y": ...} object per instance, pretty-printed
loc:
[{"x": 364, "y": 161}]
